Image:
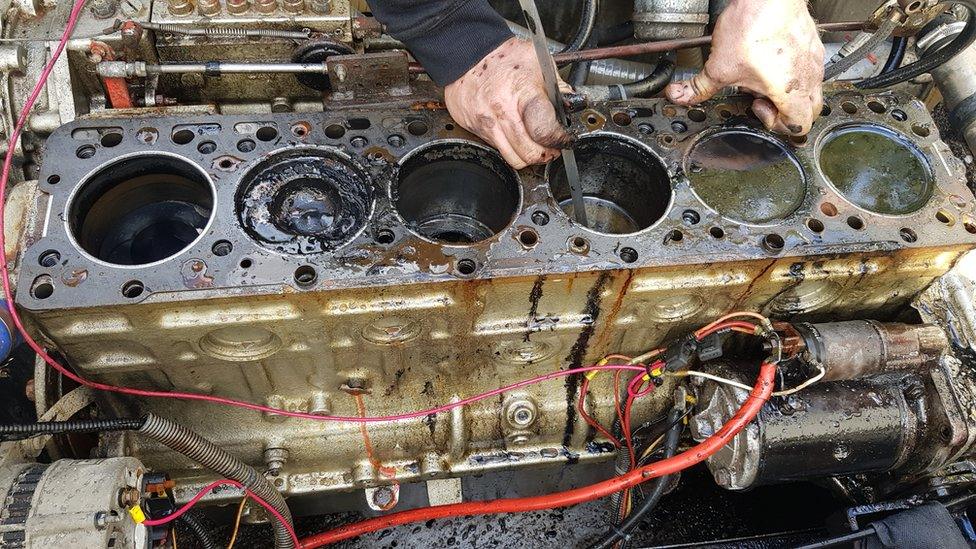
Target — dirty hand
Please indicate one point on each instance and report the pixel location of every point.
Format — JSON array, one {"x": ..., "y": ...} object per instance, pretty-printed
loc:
[
  {"x": 769, "y": 48},
  {"x": 503, "y": 100}
]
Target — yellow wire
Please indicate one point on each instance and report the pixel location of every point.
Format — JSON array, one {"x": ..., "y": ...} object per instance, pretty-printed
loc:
[
  {"x": 237, "y": 524},
  {"x": 650, "y": 449},
  {"x": 172, "y": 532}
]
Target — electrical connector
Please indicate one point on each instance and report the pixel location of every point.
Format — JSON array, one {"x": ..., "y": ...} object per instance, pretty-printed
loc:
[
  {"x": 710, "y": 347},
  {"x": 679, "y": 354}
]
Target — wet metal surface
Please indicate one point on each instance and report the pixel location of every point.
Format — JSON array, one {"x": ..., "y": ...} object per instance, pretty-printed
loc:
[
  {"x": 745, "y": 176},
  {"x": 304, "y": 201},
  {"x": 416, "y": 321},
  {"x": 876, "y": 169}
]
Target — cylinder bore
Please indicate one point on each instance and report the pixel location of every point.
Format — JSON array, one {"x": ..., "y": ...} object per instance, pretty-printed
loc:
[
  {"x": 304, "y": 201},
  {"x": 456, "y": 193},
  {"x": 745, "y": 176},
  {"x": 876, "y": 169},
  {"x": 141, "y": 209},
  {"x": 626, "y": 189}
]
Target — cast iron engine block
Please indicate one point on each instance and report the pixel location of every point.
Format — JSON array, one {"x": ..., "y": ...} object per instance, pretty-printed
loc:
[{"x": 301, "y": 259}]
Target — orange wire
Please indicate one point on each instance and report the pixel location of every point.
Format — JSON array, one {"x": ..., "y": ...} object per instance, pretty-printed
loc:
[{"x": 370, "y": 454}]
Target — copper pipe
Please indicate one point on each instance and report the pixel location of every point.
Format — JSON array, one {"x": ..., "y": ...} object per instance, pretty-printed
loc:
[
  {"x": 669, "y": 45},
  {"x": 657, "y": 47}
]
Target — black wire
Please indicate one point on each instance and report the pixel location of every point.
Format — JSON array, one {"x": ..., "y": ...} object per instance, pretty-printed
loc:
[
  {"x": 26, "y": 430},
  {"x": 193, "y": 523},
  {"x": 585, "y": 29},
  {"x": 839, "y": 540},
  {"x": 670, "y": 426},
  {"x": 898, "y": 47},
  {"x": 963, "y": 40},
  {"x": 622, "y": 531}
]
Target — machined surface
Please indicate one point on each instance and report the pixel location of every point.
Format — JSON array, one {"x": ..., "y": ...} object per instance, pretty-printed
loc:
[{"x": 417, "y": 318}]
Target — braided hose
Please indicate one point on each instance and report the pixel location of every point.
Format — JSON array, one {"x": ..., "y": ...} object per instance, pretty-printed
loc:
[
  {"x": 206, "y": 453},
  {"x": 26, "y": 430}
]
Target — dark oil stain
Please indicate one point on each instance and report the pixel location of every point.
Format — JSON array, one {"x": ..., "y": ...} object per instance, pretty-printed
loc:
[
  {"x": 431, "y": 422},
  {"x": 797, "y": 276},
  {"x": 396, "y": 382},
  {"x": 578, "y": 352},
  {"x": 534, "y": 296}
]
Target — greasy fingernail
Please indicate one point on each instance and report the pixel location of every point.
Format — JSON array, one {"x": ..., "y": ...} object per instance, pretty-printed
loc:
[{"x": 795, "y": 128}]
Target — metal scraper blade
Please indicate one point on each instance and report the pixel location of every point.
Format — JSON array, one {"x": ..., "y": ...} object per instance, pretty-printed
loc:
[{"x": 551, "y": 80}]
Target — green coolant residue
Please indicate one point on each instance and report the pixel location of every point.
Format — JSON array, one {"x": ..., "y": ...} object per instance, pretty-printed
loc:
[
  {"x": 877, "y": 170},
  {"x": 746, "y": 177}
]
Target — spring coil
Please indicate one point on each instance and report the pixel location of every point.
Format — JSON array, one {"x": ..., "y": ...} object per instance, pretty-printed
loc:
[
  {"x": 232, "y": 32},
  {"x": 201, "y": 450}
]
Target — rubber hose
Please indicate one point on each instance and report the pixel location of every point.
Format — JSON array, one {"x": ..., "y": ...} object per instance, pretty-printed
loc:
[
  {"x": 963, "y": 40},
  {"x": 206, "y": 453},
  {"x": 898, "y": 47},
  {"x": 27, "y": 430},
  {"x": 585, "y": 28},
  {"x": 622, "y": 531},
  {"x": 615, "y": 34},
  {"x": 580, "y": 72},
  {"x": 647, "y": 87},
  {"x": 193, "y": 523},
  {"x": 841, "y": 66}
]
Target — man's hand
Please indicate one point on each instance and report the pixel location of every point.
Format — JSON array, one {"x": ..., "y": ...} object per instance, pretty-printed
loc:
[
  {"x": 503, "y": 100},
  {"x": 771, "y": 49}
]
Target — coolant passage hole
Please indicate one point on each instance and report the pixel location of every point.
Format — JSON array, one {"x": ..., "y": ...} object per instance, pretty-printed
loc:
[
  {"x": 456, "y": 193},
  {"x": 876, "y": 169},
  {"x": 745, "y": 176},
  {"x": 141, "y": 209},
  {"x": 625, "y": 187},
  {"x": 304, "y": 201}
]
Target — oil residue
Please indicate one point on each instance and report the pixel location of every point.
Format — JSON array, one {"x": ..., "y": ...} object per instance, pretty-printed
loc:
[
  {"x": 625, "y": 188},
  {"x": 746, "y": 177},
  {"x": 877, "y": 170},
  {"x": 304, "y": 202}
]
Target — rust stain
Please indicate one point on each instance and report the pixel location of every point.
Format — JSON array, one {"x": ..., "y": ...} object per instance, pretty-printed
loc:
[
  {"x": 380, "y": 152},
  {"x": 428, "y": 106},
  {"x": 614, "y": 311},
  {"x": 378, "y": 466},
  {"x": 748, "y": 291}
]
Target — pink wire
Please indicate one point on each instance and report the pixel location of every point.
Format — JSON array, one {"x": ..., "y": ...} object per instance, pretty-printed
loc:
[
  {"x": 8, "y": 295},
  {"x": 206, "y": 490}
]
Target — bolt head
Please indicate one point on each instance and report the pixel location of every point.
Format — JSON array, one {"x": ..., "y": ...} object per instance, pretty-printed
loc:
[
  {"x": 723, "y": 477},
  {"x": 383, "y": 497}
]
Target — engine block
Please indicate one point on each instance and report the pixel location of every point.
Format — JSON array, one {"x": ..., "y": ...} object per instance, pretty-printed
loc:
[{"x": 370, "y": 262}]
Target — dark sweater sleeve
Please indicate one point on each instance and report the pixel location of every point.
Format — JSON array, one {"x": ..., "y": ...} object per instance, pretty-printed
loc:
[{"x": 447, "y": 36}]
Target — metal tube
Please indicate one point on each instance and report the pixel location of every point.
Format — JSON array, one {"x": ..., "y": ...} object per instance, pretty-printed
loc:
[
  {"x": 631, "y": 50},
  {"x": 222, "y": 67}
]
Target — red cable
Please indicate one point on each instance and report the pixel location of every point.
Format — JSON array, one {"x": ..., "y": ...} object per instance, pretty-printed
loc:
[
  {"x": 206, "y": 490},
  {"x": 760, "y": 393},
  {"x": 581, "y": 408},
  {"x": 11, "y": 307}
]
